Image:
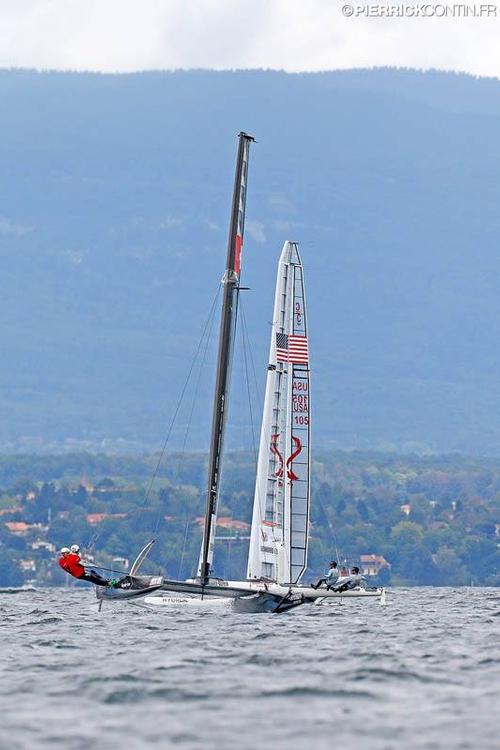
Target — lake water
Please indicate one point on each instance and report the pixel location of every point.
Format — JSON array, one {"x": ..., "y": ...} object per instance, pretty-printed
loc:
[{"x": 421, "y": 672}]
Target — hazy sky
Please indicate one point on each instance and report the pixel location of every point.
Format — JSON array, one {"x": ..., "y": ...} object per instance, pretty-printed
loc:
[{"x": 294, "y": 35}]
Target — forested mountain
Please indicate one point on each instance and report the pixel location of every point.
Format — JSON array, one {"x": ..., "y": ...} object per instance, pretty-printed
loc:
[
  {"x": 434, "y": 520},
  {"x": 115, "y": 193}
]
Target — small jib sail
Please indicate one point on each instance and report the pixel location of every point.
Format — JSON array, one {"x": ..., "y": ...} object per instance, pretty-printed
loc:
[
  {"x": 279, "y": 536},
  {"x": 231, "y": 285},
  {"x": 132, "y": 585}
]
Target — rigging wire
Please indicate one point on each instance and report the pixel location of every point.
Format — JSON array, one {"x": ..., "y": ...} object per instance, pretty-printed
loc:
[
  {"x": 179, "y": 402},
  {"x": 246, "y": 352},
  {"x": 252, "y": 363},
  {"x": 139, "y": 510},
  {"x": 206, "y": 336},
  {"x": 183, "y": 552},
  {"x": 212, "y": 533},
  {"x": 261, "y": 502},
  {"x": 195, "y": 397},
  {"x": 101, "y": 567},
  {"x": 329, "y": 526}
]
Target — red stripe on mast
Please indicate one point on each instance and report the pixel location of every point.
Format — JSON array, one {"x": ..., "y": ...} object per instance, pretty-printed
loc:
[{"x": 238, "y": 244}]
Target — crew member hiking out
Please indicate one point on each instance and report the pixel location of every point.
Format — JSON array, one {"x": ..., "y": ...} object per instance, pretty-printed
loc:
[
  {"x": 330, "y": 578},
  {"x": 353, "y": 581},
  {"x": 70, "y": 563}
]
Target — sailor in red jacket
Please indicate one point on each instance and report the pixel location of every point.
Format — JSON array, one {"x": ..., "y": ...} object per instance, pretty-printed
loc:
[{"x": 70, "y": 563}]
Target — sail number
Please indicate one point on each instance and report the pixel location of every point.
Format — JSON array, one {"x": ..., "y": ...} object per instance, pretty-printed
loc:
[
  {"x": 300, "y": 402},
  {"x": 298, "y": 419}
]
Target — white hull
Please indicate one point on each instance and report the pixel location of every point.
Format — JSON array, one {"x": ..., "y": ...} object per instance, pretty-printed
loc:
[
  {"x": 189, "y": 590},
  {"x": 182, "y": 602},
  {"x": 360, "y": 593},
  {"x": 245, "y": 596},
  {"x": 306, "y": 591},
  {"x": 212, "y": 603}
]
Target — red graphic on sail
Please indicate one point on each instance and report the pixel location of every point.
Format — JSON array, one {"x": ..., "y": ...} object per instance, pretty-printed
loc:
[
  {"x": 290, "y": 473},
  {"x": 275, "y": 451}
]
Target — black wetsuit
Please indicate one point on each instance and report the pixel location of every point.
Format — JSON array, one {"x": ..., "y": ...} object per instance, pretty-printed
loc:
[{"x": 93, "y": 577}]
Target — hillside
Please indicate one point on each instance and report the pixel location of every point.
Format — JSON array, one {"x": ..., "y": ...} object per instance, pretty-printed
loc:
[
  {"x": 115, "y": 203},
  {"x": 433, "y": 520}
]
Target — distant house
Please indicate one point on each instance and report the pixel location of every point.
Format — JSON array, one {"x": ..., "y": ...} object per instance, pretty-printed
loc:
[
  {"x": 27, "y": 565},
  {"x": 40, "y": 544},
  {"x": 20, "y": 528},
  {"x": 9, "y": 511},
  {"x": 371, "y": 565},
  {"x": 225, "y": 522},
  {"x": 94, "y": 518},
  {"x": 229, "y": 523},
  {"x": 406, "y": 509}
]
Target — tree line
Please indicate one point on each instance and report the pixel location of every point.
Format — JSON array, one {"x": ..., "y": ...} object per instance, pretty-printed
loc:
[{"x": 434, "y": 519}]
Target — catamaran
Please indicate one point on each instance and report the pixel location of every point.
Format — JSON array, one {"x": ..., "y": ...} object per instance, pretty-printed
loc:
[{"x": 277, "y": 556}]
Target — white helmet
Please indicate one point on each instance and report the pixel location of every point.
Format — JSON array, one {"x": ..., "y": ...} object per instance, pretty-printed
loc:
[
  {"x": 75, "y": 548},
  {"x": 64, "y": 550}
]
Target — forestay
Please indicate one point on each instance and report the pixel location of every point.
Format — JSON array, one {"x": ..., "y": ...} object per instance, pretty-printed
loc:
[{"x": 279, "y": 536}]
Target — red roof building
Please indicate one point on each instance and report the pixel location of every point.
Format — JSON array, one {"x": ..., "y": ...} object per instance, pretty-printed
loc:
[
  {"x": 225, "y": 522},
  {"x": 371, "y": 565},
  {"x": 17, "y": 527},
  {"x": 95, "y": 518}
]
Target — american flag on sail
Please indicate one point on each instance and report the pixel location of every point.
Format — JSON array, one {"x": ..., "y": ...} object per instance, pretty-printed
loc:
[{"x": 291, "y": 348}]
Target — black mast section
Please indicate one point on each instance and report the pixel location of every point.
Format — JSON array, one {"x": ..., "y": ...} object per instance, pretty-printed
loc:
[{"x": 230, "y": 282}]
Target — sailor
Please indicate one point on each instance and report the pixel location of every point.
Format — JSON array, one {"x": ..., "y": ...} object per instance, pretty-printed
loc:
[
  {"x": 70, "y": 563},
  {"x": 353, "y": 581},
  {"x": 330, "y": 577}
]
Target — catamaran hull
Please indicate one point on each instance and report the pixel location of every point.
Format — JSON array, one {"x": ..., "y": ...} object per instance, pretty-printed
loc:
[
  {"x": 307, "y": 592},
  {"x": 131, "y": 588},
  {"x": 182, "y": 602},
  {"x": 263, "y": 596},
  {"x": 120, "y": 596},
  {"x": 246, "y": 596},
  {"x": 360, "y": 593}
]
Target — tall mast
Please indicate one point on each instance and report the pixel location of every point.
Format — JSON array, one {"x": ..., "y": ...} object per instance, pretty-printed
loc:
[{"x": 230, "y": 282}]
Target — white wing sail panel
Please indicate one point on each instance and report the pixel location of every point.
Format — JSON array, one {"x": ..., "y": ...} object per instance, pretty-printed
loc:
[
  {"x": 278, "y": 544},
  {"x": 298, "y": 463}
]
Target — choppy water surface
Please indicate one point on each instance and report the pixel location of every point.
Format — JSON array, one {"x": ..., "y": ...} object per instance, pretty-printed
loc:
[{"x": 422, "y": 672}]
